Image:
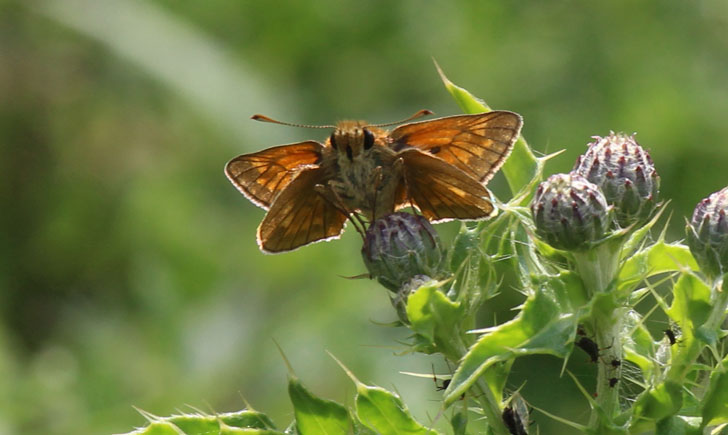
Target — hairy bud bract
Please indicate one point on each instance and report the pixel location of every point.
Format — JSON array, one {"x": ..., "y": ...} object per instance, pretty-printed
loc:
[
  {"x": 569, "y": 212},
  {"x": 400, "y": 246},
  {"x": 625, "y": 173},
  {"x": 708, "y": 234}
]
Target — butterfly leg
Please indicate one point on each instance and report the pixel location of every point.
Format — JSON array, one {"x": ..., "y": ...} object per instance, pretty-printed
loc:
[
  {"x": 329, "y": 194},
  {"x": 399, "y": 166},
  {"x": 376, "y": 181},
  {"x": 386, "y": 186}
]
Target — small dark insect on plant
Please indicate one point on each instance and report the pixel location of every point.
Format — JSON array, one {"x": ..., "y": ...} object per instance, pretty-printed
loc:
[
  {"x": 590, "y": 347},
  {"x": 513, "y": 421},
  {"x": 613, "y": 382},
  {"x": 615, "y": 363},
  {"x": 670, "y": 334},
  {"x": 445, "y": 382},
  {"x": 443, "y": 386}
]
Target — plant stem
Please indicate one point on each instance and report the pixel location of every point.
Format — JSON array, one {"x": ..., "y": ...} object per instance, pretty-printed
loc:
[
  {"x": 608, "y": 375},
  {"x": 484, "y": 395},
  {"x": 597, "y": 269}
]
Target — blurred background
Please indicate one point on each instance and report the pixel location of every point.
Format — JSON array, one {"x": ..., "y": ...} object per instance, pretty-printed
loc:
[{"x": 129, "y": 273}]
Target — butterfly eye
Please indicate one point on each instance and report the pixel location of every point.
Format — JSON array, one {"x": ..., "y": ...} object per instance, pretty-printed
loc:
[
  {"x": 332, "y": 140},
  {"x": 368, "y": 139}
]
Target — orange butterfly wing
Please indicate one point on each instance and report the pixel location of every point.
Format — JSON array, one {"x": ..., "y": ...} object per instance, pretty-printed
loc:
[
  {"x": 300, "y": 215},
  {"x": 476, "y": 144},
  {"x": 441, "y": 191},
  {"x": 263, "y": 175}
]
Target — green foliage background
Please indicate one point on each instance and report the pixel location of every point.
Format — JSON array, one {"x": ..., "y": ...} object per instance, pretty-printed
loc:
[{"x": 129, "y": 273}]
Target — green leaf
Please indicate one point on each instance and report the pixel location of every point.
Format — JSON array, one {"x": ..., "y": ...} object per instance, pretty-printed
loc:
[
  {"x": 383, "y": 411},
  {"x": 636, "y": 236},
  {"x": 201, "y": 424},
  {"x": 466, "y": 241},
  {"x": 653, "y": 405},
  {"x": 679, "y": 425},
  {"x": 459, "y": 423},
  {"x": 473, "y": 275},
  {"x": 231, "y": 430},
  {"x": 158, "y": 428},
  {"x": 715, "y": 402},
  {"x": 496, "y": 376},
  {"x": 655, "y": 259},
  {"x": 315, "y": 415},
  {"x": 639, "y": 345},
  {"x": 522, "y": 166},
  {"x": 691, "y": 305},
  {"x": 435, "y": 317},
  {"x": 546, "y": 325}
]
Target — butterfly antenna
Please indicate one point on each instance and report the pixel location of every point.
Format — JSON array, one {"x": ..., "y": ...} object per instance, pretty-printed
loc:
[
  {"x": 263, "y": 118},
  {"x": 421, "y": 113}
]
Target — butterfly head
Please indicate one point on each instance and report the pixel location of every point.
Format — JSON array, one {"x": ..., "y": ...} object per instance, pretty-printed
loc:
[{"x": 352, "y": 139}]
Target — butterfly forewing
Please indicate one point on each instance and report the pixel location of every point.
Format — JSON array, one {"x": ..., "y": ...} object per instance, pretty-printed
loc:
[
  {"x": 441, "y": 191},
  {"x": 299, "y": 215},
  {"x": 476, "y": 144},
  {"x": 263, "y": 175}
]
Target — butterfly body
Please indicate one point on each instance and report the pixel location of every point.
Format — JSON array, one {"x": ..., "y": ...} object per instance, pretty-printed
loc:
[
  {"x": 440, "y": 167},
  {"x": 364, "y": 175}
]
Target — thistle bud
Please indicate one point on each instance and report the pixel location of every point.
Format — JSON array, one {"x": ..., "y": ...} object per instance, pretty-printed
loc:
[
  {"x": 625, "y": 173},
  {"x": 569, "y": 212},
  {"x": 708, "y": 234},
  {"x": 399, "y": 247}
]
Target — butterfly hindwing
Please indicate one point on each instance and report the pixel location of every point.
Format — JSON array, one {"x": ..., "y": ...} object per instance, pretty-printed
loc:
[
  {"x": 441, "y": 191},
  {"x": 263, "y": 175},
  {"x": 299, "y": 215},
  {"x": 476, "y": 144}
]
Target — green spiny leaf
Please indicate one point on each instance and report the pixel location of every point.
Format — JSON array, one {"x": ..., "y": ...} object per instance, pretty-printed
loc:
[
  {"x": 546, "y": 325},
  {"x": 679, "y": 425},
  {"x": 193, "y": 424},
  {"x": 459, "y": 423},
  {"x": 691, "y": 304},
  {"x": 315, "y": 415},
  {"x": 656, "y": 404},
  {"x": 383, "y": 411},
  {"x": 715, "y": 403},
  {"x": 231, "y": 430},
  {"x": 658, "y": 258},
  {"x": 158, "y": 428},
  {"x": 435, "y": 317}
]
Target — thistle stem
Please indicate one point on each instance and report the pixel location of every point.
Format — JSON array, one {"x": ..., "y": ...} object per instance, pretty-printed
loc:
[
  {"x": 484, "y": 395},
  {"x": 597, "y": 268}
]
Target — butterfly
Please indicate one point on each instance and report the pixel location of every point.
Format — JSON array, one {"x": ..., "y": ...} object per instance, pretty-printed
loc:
[{"x": 439, "y": 167}]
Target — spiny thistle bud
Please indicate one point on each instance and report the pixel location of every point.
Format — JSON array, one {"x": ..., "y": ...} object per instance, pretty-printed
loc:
[
  {"x": 400, "y": 246},
  {"x": 708, "y": 234},
  {"x": 569, "y": 212},
  {"x": 625, "y": 173}
]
